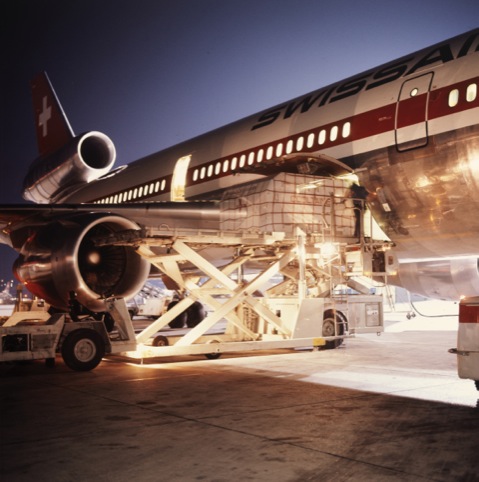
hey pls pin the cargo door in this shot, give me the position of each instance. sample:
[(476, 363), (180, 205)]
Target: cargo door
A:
[(411, 113), (178, 183)]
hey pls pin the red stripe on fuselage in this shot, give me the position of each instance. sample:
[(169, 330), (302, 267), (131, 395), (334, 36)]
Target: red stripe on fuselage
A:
[(363, 125), (371, 123)]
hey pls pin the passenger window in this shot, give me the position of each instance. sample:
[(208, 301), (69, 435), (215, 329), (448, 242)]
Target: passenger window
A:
[(471, 93), (453, 98), (289, 147), (334, 134), (300, 144), (322, 137)]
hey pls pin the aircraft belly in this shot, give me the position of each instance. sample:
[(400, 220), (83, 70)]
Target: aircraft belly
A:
[(427, 199)]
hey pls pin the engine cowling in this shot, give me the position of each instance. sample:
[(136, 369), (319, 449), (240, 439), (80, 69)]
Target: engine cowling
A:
[(62, 257), (86, 158), (446, 279)]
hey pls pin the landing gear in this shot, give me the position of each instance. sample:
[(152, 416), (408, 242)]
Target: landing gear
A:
[(180, 320), (196, 313)]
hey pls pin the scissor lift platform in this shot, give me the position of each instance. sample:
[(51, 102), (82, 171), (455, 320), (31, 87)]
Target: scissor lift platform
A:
[(288, 316)]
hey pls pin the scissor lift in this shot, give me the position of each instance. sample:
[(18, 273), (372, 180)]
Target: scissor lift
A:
[(308, 260), (286, 317)]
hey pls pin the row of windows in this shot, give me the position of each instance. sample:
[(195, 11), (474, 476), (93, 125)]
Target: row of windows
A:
[(298, 144), (258, 156), (454, 95), (135, 193), (293, 145)]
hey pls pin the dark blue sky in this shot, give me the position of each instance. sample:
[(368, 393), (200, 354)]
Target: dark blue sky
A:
[(151, 73)]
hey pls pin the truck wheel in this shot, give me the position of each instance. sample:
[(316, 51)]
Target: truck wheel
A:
[(195, 314), (83, 349), (160, 340), (214, 355), (180, 320), (332, 320), (476, 383)]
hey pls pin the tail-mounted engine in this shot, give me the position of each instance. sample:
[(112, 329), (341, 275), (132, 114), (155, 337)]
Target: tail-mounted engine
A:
[(84, 159), (62, 257)]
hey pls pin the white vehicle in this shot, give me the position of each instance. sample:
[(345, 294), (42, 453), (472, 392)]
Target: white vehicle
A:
[(147, 307), (151, 301)]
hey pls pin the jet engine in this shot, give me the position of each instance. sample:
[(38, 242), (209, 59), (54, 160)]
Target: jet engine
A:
[(63, 257), (84, 159), (447, 279)]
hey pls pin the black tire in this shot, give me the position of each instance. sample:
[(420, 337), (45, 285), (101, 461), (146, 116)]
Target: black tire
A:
[(83, 349), (215, 355), (180, 320), (196, 313), (332, 326), (212, 356), (160, 340), (476, 383)]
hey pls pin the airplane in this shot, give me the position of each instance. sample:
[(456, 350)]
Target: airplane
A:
[(408, 130)]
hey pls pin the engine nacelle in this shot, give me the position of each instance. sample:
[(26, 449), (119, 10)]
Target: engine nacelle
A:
[(86, 158), (448, 279), (62, 257)]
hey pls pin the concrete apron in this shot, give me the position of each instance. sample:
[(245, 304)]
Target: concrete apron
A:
[(378, 408)]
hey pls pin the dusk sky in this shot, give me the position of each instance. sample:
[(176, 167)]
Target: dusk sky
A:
[(152, 73)]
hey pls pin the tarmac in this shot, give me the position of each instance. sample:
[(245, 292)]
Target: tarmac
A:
[(379, 408)]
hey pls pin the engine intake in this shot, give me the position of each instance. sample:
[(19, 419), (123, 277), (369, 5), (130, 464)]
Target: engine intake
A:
[(63, 257), (86, 158)]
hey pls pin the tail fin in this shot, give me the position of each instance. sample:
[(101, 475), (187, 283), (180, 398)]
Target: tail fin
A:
[(52, 127)]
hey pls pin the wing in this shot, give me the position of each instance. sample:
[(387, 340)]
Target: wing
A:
[(17, 221)]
